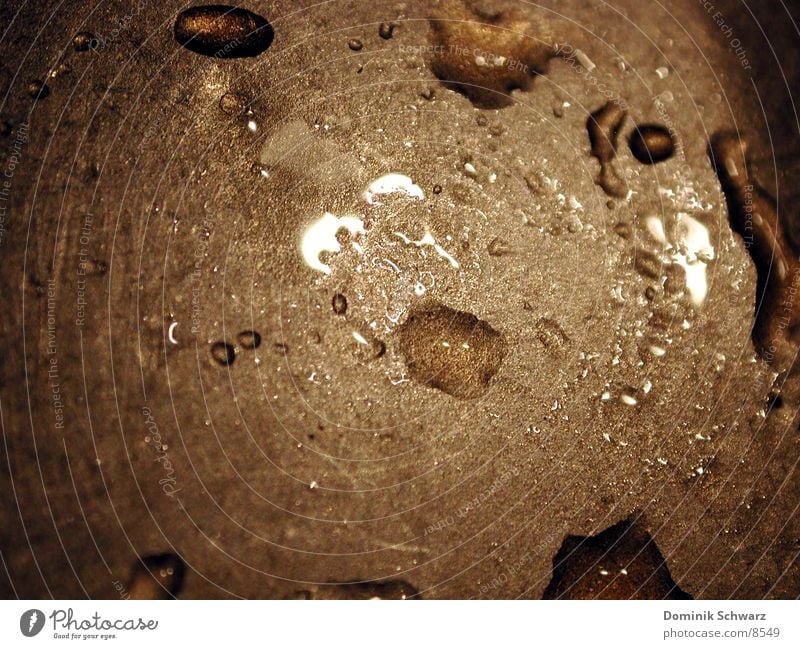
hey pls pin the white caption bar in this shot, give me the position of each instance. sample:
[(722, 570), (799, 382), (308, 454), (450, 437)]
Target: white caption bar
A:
[(389, 624)]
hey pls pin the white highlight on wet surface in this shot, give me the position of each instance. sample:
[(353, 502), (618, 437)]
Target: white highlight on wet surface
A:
[(690, 247), (320, 237), (171, 333), (428, 240), (393, 183)]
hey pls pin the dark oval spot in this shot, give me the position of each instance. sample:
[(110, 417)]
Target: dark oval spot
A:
[(386, 30), (85, 41), (38, 89), (339, 303), (651, 143), (223, 32), (223, 353), (249, 340), (355, 45)]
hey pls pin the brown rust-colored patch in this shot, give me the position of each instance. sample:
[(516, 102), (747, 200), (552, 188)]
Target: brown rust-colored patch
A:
[(451, 350)]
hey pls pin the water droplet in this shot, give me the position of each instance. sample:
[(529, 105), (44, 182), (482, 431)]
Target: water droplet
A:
[(628, 397), (249, 340), (223, 353), (386, 30), (38, 89), (369, 347), (339, 303), (603, 126), (754, 216), (260, 169), (223, 32), (60, 70), (485, 59), (651, 143), (232, 103), (85, 41), (470, 170), (451, 350)]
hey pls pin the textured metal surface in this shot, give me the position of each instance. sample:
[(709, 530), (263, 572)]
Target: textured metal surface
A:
[(154, 185)]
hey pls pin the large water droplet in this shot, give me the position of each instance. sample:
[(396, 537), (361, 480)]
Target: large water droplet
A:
[(485, 58), (451, 350), (651, 143), (223, 32)]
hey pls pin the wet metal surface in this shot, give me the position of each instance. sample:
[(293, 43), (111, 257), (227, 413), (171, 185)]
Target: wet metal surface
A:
[(228, 278)]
